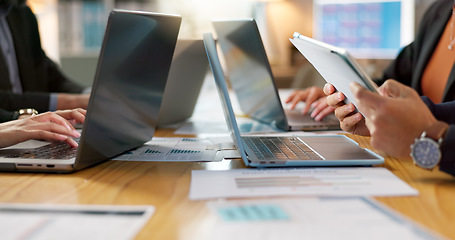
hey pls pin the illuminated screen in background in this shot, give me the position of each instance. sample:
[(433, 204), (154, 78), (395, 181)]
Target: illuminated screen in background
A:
[(367, 29)]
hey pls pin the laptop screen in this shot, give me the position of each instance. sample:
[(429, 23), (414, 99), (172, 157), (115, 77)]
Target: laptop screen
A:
[(221, 86), (129, 84), (249, 71)]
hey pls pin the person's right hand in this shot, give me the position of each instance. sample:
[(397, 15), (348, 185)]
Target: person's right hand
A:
[(313, 97), (73, 116), (71, 101), (350, 120), (47, 126)]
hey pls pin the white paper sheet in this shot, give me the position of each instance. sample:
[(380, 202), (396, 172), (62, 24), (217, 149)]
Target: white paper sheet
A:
[(311, 218), (171, 150), (343, 181), (71, 222)]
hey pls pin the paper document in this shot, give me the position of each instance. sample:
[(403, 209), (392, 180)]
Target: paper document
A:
[(311, 218), (35, 221), (328, 181), (172, 149)]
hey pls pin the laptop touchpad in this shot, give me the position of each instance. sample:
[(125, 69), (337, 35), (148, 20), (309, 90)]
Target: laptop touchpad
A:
[(337, 148)]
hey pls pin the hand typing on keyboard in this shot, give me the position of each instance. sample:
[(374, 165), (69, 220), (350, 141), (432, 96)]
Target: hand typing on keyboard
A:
[(49, 126)]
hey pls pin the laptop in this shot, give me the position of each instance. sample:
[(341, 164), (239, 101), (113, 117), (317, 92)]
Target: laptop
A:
[(251, 78), (122, 113), (188, 70), (286, 151)]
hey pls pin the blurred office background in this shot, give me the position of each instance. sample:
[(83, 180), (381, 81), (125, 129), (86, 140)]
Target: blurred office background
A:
[(372, 30)]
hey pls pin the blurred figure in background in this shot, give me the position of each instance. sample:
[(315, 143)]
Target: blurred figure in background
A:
[(28, 78)]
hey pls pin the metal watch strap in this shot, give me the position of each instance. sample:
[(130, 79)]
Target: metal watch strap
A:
[(27, 111)]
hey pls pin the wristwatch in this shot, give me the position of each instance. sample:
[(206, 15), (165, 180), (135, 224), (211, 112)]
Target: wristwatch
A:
[(27, 111), (425, 151), (23, 112)]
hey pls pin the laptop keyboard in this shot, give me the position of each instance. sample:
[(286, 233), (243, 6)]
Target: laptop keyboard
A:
[(55, 150), (281, 148)]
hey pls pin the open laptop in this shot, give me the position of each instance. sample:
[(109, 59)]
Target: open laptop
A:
[(188, 70), (122, 113), (283, 151), (251, 78)]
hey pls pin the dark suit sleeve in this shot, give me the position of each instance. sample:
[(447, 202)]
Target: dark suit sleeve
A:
[(36, 100), (445, 112), (448, 152), (401, 67), (7, 116), (58, 82)]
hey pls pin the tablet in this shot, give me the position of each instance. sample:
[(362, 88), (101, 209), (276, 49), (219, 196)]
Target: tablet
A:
[(334, 64)]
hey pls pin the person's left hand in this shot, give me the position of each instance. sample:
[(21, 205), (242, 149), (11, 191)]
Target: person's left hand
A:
[(394, 117), (321, 109), (313, 97)]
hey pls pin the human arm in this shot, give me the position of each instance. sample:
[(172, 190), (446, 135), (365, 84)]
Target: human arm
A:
[(445, 112), (48, 126), (313, 97), (40, 101)]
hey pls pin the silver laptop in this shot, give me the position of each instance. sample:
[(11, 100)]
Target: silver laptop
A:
[(188, 70), (252, 80), (276, 151), (123, 109)]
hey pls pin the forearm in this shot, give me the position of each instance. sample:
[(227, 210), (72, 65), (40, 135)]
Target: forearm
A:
[(444, 112), (7, 115), (12, 102)]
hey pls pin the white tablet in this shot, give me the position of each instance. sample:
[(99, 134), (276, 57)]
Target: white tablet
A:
[(334, 64)]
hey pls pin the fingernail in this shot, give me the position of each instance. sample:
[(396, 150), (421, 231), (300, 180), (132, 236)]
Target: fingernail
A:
[(339, 96), (68, 126), (76, 133), (62, 137)]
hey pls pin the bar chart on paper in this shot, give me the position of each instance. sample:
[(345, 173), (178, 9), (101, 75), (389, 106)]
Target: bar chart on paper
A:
[(344, 181), (298, 181), (172, 149)]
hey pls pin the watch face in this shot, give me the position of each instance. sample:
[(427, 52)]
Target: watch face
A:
[(426, 153)]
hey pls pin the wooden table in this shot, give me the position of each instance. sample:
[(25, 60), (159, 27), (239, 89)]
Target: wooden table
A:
[(166, 186)]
